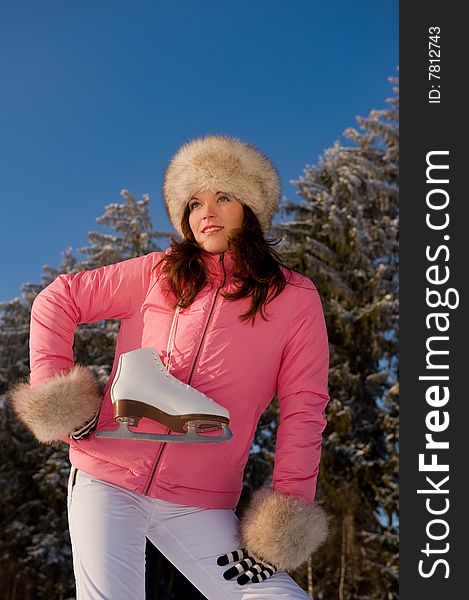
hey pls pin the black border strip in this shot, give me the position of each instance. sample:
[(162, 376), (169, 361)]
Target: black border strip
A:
[(432, 129)]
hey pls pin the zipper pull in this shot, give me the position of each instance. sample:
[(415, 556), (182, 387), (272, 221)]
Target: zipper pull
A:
[(222, 261)]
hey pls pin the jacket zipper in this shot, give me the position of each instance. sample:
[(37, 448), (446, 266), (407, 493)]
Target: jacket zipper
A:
[(163, 445), (208, 320)]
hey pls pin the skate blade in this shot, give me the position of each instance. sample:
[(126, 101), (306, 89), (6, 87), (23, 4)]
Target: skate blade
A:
[(191, 437), (132, 411)]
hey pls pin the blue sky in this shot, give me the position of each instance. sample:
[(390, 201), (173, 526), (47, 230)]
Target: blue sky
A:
[(97, 95)]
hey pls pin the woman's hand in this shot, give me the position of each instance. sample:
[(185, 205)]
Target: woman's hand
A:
[(249, 568)]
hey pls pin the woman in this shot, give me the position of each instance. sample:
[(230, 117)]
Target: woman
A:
[(230, 320)]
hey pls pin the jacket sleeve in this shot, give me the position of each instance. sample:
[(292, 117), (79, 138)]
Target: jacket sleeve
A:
[(302, 389), (62, 399), (284, 526), (109, 292)]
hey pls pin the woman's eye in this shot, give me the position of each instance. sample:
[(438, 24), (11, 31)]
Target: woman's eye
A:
[(223, 197), (191, 206)]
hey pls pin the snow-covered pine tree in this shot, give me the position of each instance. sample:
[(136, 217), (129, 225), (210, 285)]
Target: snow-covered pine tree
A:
[(35, 548), (344, 236), (35, 551), (133, 233)]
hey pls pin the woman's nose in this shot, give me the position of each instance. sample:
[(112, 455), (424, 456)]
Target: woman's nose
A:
[(208, 210)]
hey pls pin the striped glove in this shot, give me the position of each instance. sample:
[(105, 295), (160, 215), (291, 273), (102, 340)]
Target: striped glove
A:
[(86, 430), (249, 568)]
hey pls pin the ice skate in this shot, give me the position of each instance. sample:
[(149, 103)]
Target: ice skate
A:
[(143, 387)]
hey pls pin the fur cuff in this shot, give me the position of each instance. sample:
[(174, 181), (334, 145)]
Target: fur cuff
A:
[(282, 530), (58, 406)]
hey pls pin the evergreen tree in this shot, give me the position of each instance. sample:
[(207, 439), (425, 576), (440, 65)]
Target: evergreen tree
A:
[(133, 235), (35, 553), (35, 550), (343, 235), (14, 335)]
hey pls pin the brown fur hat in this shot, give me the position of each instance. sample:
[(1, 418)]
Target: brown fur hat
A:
[(220, 163), (282, 530), (58, 406)]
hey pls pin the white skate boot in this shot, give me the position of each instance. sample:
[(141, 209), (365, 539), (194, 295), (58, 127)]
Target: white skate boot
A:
[(143, 387)]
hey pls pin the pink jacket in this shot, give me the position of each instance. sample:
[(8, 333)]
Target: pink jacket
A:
[(237, 365)]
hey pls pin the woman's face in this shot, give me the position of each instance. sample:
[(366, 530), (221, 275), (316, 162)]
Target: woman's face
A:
[(208, 210)]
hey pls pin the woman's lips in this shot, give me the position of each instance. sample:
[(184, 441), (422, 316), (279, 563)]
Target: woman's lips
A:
[(213, 232)]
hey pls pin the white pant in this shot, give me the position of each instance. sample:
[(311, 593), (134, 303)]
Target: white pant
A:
[(108, 527)]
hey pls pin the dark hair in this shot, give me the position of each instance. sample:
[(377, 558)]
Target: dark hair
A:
[(256, 266)]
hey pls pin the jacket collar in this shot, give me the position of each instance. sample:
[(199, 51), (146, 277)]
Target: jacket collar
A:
[(218, 263)]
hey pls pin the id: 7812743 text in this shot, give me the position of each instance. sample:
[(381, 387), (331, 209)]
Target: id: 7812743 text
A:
[(434, 67)]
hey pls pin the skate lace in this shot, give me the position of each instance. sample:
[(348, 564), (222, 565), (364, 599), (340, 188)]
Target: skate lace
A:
[(171, 339), (169, 353), (171, 378)]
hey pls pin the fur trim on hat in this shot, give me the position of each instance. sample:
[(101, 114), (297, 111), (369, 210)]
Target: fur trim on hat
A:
[(58, 406), (282, 530), (218, 163)]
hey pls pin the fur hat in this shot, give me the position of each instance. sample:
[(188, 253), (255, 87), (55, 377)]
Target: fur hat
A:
[(221, 163)]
